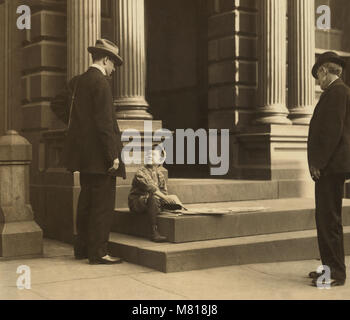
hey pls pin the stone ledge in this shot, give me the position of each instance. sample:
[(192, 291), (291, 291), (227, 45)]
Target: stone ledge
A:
[(282, 215), (288, 246)]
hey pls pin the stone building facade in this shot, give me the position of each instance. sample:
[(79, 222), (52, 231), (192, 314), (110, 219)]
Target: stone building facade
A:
[(243, 65)]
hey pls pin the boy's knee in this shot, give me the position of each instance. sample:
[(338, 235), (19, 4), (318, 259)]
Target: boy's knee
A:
[(154, 200)]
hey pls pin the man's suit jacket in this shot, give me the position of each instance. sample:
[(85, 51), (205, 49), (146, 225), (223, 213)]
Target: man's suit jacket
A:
[(329, 132), (93, 138)]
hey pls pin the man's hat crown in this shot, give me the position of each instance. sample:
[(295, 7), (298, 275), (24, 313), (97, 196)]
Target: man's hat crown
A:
[(106, 46), (325, 57)]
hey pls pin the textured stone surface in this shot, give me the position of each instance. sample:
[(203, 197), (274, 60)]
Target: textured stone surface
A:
[(283, 215), (19, 234), (45, 53), (289, 246), (224, 24), (227, 72), (301, 58), (272, 46), (217, 6), (273, 152), (57, 275), (232, 47), (48, 24), (39, 116), (13, 147), (227, 96), (20, 239), (130, 84)]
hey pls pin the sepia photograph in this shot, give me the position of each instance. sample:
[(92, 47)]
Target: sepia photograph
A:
[(174, 154)]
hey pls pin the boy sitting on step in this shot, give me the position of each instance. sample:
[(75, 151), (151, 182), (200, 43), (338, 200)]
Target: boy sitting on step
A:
[(149, 194)]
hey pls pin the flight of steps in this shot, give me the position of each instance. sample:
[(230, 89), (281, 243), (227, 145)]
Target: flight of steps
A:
[(281, 229)]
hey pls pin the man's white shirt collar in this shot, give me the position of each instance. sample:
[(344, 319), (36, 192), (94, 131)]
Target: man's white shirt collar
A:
[(99, 68), (332, 82)]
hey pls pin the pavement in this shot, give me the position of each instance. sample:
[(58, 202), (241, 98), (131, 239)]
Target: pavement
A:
[(57, 276)]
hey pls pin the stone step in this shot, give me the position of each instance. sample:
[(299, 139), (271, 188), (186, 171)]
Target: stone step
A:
[(279, 215), (289, 246), (221, 190)]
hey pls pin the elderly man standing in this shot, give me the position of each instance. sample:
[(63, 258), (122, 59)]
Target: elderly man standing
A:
[(93, 148), (329, 163)]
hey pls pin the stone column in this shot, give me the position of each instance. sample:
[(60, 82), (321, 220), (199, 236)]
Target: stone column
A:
[(84, 28), (272, 62), (301, 58), (130, 78), (4, 66)]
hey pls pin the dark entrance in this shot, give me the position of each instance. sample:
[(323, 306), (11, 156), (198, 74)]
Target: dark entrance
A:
[(176, 37)]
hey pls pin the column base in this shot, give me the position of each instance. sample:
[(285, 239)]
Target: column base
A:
[(17, 239), (299, 116), (133, 114), (132, 109), (271, 152), (272, 115)]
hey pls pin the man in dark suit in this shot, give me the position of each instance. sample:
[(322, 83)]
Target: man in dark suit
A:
[(329, 163), (93, 147)]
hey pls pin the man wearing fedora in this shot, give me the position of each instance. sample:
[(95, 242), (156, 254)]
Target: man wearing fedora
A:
[(93, 147), (329, 163)]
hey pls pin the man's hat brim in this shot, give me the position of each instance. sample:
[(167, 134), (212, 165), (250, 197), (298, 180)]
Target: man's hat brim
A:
[(117, 59), (325, 59)]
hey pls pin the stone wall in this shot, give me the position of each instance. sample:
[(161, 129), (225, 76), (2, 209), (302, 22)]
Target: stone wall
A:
[(232, 62)]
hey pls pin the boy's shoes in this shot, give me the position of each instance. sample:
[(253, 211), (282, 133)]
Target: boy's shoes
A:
[(156, 237)]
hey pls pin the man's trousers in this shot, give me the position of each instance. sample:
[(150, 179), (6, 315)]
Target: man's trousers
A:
[(329, 192), (95, 214)]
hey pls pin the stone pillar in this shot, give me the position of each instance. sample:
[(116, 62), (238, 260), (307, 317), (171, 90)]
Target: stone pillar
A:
[(4, 65), (84, 28), (130, 78), (19, 234), (272, 62), (301, 57)]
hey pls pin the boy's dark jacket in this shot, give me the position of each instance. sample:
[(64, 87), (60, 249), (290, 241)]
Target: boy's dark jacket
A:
[(93, 139), (329, 132)]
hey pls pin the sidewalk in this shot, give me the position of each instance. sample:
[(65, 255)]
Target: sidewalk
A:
[(58, 276)]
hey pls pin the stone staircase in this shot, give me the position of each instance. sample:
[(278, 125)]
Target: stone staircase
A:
[(281, 229)]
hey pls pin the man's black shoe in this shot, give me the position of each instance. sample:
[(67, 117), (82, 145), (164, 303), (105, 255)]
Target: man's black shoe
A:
[(105, 260), (315, 275), (332, 283)]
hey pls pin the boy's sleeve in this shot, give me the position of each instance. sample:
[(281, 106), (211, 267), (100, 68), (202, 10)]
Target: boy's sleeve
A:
[(162, 184), (144, 183)]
